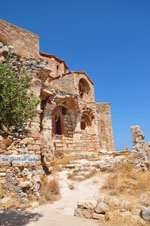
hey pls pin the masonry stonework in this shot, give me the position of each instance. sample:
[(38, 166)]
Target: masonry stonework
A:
[(57, 65), (68, 119), (25, 43)]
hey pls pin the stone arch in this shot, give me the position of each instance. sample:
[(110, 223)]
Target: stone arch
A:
[(85, 121), (57, 121), (61, 121), (84, 87)]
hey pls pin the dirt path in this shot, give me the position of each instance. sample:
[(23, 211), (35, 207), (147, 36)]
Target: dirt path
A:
[(61, 212)]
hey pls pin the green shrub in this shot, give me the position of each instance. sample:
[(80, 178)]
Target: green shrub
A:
[(17, 102)]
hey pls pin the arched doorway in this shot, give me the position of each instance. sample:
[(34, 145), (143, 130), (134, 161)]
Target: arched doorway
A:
[(61, 122), (57, 121)]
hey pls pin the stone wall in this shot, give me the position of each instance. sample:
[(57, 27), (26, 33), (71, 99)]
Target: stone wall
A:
[(70, 83), (25, 43), (28, 144), (73, 138), (84, 125), (68, 127), (19, 178), (105, 126), (58, 66), (65, 83)]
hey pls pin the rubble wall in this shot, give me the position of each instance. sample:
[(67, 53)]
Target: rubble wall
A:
[(18, 177)]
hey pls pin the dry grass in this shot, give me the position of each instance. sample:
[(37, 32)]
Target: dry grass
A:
[(58, 163), (124, 219), (129, 184), (124, 166), (49, 190), (65, 160), (59, 154), (128, 180)]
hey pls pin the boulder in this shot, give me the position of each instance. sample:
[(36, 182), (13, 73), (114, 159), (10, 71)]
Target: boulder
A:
[(97, 216), (86, 213), (25, 184), (3, 50), (145, 213), (102, 208), (113, 202), (87, 204)]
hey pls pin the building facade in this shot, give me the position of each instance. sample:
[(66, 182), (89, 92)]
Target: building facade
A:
[(69, 119)]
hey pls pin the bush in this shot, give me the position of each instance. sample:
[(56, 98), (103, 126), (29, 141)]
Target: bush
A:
[(111, 182), (17, 102), (49, 190)]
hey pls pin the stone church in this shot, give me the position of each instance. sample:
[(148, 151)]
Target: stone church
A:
[(69, 119)]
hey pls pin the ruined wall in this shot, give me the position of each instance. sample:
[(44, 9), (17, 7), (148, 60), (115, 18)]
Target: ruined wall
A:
[(138, 142), (88, 97), (25, 43), (28, 145), (70, 83), (73, 137), (86, 125), (104, 126), (58, 66), (65, 83)]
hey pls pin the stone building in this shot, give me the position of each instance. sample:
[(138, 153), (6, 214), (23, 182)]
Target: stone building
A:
[(69, 119)]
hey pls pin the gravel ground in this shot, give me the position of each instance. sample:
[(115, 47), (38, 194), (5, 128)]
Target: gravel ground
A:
[(61, 212)]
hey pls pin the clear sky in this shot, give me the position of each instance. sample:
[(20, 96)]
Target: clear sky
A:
[(109, 39)]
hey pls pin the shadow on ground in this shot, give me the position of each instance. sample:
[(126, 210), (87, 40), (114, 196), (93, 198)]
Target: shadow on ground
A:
[(17, 217)]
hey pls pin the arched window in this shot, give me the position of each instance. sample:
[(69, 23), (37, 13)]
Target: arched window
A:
[(85, 121), (57, 70), (84, 87), (102, 128), (57, 121)]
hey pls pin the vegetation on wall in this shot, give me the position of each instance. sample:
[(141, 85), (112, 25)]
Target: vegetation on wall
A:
[(17, 102)]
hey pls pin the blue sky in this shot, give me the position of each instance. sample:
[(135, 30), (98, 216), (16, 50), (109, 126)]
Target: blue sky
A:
[(109, 39)]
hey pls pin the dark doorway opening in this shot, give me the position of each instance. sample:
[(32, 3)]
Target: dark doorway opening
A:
[(58, 126)]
